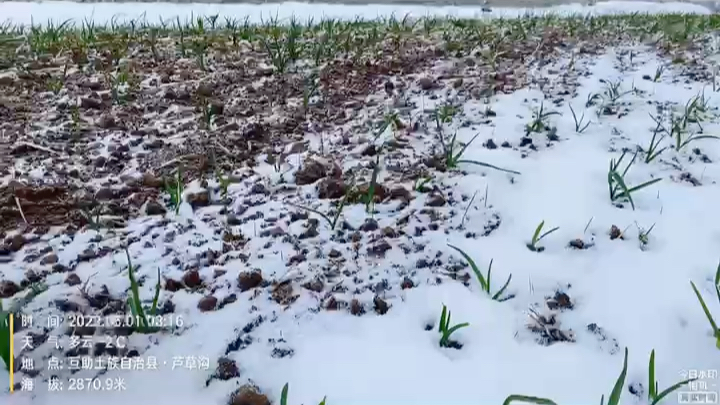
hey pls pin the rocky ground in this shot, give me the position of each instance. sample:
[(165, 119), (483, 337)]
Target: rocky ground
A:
[(259, 177)]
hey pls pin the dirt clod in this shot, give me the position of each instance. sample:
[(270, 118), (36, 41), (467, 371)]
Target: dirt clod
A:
[(248, 395), (207, 303), (73, 279), (249, 280), (226, 369)]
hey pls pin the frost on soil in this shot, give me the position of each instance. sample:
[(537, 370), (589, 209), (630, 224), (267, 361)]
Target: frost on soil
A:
[(297, 190)]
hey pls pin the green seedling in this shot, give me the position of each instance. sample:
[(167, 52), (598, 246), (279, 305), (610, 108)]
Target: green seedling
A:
[(5, 336), (713, 325), (390, 120), (140, 313), (421, 184), (654, 396), (332, 221), (445, 114), (484, 280), (453, 159), (445, 329), (537, 237), (93, 217), (175, 189), (658, 73), (528, 399), (644, 235), (208, 115), (580, 124), (284, 396), (613, 92), (652, 151), (591, 98), (309, 90), (224, 183), (55, 85), (617, 186), (370, 194), (462, 220), (539, 121), (614, 398)]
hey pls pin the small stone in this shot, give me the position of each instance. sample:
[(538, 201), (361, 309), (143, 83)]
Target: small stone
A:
[(16, 243), (173, 285), (356, 308), (226, 369), (273, 232), (149, 180), (154, 208), (331, 188), (248, 395), (577, 244), (407, 283), (389, 232), (381, 307), (615, 233), (249, 279), (379, 248), (192, 279), (334, 253), (73, 279), (311, 172), (90, 103), (315, 285), (426, 83), (369, 225), (8, 289), (199, 199), (104, 194), (52, 258), (207, 303), (435, 200)]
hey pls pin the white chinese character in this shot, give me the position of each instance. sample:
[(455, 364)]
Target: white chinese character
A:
[(151, 363), (55, 341), (702, 374), (54, 384), (712, 374), (53, 363), (119, 384), (113, 363), (26, 321), (178, 362), (125, 363), (53, 321), (74, 363), (204, 362), (87, 363), (99, 363), (87, 342), (693, 374), (191, 363), (27, 384), (27, 342), (74, 341), (27, 364), (139, 363)]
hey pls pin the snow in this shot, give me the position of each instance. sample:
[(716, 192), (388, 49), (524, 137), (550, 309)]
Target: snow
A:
[(641, 298)]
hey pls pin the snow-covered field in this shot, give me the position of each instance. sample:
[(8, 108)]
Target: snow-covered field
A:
[(335, 179)]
